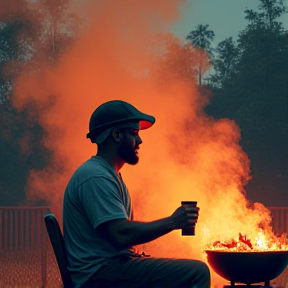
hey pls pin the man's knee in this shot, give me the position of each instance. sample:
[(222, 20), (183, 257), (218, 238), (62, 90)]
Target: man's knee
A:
[(204, 268), (199, 275), (204, 279)]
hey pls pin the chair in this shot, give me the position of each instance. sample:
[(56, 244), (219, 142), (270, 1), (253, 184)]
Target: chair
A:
[(59, 248), (58, 245)]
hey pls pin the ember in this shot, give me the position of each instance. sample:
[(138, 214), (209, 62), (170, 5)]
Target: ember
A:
[(261, 243)]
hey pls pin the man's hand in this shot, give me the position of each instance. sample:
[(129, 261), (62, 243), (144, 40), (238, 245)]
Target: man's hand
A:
[(185, 216)]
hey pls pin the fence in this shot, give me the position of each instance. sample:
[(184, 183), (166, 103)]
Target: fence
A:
[(22, 228), (279, 219), (25, 251), (26, 256)]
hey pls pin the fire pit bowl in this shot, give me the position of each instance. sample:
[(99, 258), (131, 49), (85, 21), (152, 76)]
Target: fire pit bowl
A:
[(248, 267)]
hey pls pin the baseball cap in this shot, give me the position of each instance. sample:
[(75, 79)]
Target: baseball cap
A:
[(115, 113)]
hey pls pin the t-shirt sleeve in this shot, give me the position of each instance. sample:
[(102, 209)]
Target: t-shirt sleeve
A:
[(100, 199)]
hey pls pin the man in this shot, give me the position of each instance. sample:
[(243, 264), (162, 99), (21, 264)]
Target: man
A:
[(99, 230)]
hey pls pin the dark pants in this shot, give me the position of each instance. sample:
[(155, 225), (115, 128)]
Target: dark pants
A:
[(152, 272)]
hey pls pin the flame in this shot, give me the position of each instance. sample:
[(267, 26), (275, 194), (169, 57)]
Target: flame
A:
[(261, 243)]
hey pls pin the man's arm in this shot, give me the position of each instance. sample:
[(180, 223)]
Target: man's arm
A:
[(122, 233)]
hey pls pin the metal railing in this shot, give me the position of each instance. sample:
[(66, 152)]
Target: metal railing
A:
[(26, 257), (279, 219), (22, 228)]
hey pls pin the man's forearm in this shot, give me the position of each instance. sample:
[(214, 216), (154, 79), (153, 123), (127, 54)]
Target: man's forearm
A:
[(134, 233), (124, 233)]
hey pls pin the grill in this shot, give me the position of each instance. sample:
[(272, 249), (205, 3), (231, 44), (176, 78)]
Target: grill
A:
[(248, 267)]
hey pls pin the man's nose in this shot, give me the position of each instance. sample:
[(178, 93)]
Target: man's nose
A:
[(139, 140)]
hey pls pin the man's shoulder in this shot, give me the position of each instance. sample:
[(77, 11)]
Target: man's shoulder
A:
[(94, 163), (94, 167)]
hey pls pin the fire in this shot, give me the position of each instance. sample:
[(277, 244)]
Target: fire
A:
[(261, 243)]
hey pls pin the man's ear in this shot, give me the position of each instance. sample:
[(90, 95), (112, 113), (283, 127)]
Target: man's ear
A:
[(116, 135)]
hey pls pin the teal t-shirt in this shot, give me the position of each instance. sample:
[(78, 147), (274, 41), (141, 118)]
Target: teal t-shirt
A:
[(95, 194)]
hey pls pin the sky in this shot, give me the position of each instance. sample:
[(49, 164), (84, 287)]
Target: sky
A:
[(225, 17)]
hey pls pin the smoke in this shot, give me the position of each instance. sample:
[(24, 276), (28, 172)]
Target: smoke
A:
[(186, 155)]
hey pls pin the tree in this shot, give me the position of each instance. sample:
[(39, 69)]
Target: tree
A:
[(224, 65), (201, 39), (20, 138), (272, 9), (59, 27), (255, 96), (26, 38)]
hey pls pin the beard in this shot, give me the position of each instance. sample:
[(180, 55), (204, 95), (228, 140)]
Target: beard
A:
[(127, 154)]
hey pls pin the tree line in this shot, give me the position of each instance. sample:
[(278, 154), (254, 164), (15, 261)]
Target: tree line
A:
[(31, 33), (249, 84), (247, 78)]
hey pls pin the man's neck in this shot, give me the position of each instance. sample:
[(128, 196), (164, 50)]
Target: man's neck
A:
[(112, 160)]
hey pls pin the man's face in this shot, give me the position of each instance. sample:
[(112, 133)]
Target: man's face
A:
[(129, 145)]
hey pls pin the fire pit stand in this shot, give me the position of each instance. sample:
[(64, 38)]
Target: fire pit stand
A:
[(266, 285)]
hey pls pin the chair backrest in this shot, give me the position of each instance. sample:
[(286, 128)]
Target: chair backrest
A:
[(58, 245)]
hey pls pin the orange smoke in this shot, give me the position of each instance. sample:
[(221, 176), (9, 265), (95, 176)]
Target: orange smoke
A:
[(186, 155)]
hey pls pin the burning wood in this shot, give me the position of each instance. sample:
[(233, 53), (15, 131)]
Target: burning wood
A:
[(261, 243)]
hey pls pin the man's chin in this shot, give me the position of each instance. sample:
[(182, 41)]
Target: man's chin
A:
[(133, 161)]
